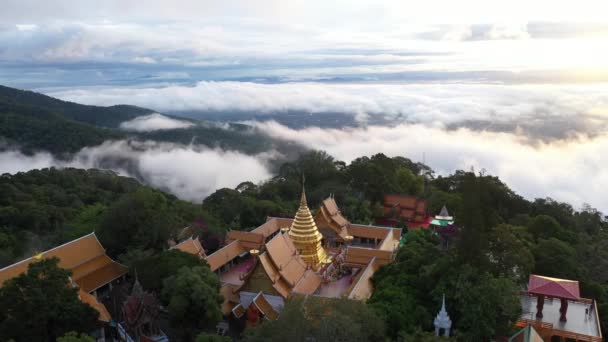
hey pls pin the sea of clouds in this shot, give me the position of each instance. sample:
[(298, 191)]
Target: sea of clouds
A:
[(542, 140), (190, 172), (539, 112)]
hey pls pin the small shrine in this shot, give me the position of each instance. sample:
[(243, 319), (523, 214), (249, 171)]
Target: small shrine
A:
[(442, 322)]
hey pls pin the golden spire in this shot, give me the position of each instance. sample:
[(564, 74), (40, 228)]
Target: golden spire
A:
[(306, 237)]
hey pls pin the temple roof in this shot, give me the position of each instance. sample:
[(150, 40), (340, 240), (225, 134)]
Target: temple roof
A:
[(330, 213), (406, 207), (191, 246), (86, 258), (223, 255), (554, 287), (104, 315)]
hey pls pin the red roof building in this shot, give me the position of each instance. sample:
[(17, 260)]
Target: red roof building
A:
[(554, 287)]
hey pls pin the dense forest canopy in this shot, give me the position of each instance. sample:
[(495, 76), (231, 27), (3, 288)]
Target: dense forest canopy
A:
[(502, 238)]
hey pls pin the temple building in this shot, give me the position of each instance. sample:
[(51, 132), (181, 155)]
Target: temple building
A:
[(554, 308), (192, 246), (93, 272), (405, 209), (323, 255)]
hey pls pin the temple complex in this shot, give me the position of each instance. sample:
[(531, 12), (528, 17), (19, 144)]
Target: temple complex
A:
[(323, 255), (554, 308), (93, 272)]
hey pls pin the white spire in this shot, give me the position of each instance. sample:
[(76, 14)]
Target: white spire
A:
[(442, 320)]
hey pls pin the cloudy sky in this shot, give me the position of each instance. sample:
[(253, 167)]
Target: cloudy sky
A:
[(519, 88)]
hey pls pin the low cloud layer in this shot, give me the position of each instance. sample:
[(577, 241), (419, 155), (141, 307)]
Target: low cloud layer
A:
[(191, 173), (154, 122), (543, 112), (572, 171)]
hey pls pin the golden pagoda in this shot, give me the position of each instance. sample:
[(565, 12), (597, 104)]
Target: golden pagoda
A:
[(306, 237)]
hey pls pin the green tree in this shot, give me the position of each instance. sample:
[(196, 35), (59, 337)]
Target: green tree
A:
[(73, 336), (482, 306), (472, 240), (509, 254), (555, 258), (137, 220), (545, 227), (41, 305), (321, 319), (154, 269), (194, 300)]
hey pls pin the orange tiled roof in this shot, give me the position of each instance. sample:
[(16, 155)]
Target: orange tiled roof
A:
[(264, 306), (363, 287), (407, 207), (373, 232), (101, 276), (191, 246), (239, 310), (85, 257), (330, 213), (272, 225), (104, 315), (249, 240), (308, 284), (269, 267), (70, 254), (362, 255), (284, 256), (225, 254)]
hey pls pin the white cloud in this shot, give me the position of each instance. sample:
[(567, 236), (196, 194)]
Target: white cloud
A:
[(145, 60), (540, 110), (154, 122), (572, 171), (191, 173)]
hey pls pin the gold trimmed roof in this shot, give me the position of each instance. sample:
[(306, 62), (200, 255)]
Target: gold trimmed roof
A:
[(306, 236)]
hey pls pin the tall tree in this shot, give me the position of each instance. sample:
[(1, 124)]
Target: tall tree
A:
[(472, 238), (41, 305), (194, 300)]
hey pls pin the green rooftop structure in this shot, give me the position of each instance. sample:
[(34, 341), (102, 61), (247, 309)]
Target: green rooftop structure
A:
[(527, 334), (443, 219)]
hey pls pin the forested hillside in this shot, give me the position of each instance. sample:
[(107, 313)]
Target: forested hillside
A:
[(32, 122), (502, 237), (109, 117)]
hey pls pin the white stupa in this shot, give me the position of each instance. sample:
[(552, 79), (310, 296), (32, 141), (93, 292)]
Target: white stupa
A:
[(442, 321)]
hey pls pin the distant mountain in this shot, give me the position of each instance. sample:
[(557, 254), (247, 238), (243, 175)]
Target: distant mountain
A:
[(109, 117), (35, 122)]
